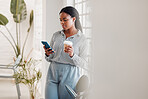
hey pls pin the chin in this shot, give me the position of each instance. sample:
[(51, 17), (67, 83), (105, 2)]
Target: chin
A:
[(65, 29)]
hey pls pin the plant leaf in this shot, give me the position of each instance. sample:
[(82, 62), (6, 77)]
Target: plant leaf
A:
[(30, 20), (3, 20), (18, 9), (31, 17)]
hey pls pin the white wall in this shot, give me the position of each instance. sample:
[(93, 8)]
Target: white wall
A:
[(4, 44), (6, 51), (51, 24), (68, 2), (120, 49), (52, 17)]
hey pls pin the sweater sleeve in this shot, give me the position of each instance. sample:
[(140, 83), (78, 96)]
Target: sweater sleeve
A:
[(81, 60)]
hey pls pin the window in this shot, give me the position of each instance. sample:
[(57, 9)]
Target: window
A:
[(84, 11)]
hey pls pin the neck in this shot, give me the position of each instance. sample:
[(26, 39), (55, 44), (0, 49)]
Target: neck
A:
[(71, 31)]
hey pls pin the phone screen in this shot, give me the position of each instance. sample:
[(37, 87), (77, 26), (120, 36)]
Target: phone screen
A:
[(46, 45)]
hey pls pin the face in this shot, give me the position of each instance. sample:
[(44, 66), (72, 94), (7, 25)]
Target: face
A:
[(66, 21)]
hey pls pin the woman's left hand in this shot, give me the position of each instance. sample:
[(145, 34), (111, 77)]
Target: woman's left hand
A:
[(69, 49)]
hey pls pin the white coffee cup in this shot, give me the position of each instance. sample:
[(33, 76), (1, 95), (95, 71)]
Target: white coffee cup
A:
[(67, 43)]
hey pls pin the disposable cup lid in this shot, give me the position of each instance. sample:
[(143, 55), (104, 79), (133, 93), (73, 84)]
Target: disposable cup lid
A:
[(68, 43)]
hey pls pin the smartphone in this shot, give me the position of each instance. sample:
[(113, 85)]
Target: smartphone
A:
[(46, 45)]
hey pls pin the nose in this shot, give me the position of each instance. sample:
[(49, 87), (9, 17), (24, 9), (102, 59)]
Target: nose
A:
[(62, 22)]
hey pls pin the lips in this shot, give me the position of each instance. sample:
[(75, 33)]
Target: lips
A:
[(63, 26)]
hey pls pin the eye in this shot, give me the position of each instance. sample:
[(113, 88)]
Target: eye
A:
[(65, 20)]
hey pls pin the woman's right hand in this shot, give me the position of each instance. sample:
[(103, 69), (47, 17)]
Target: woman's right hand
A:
[(48, 51)]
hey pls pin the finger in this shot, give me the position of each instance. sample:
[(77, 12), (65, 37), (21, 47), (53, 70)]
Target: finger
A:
[(44, 47), (70, 49), (65, 51), (69, 46), (49, 52), (66, 47), (48, 49)]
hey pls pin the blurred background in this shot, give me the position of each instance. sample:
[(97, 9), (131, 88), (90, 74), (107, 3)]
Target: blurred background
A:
[(120, 49), (117, 32), (45, 23)]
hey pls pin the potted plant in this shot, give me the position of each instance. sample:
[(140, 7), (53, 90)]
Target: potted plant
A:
[(27, 72), (29, 75)]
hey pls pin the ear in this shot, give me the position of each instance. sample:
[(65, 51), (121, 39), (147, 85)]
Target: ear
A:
[(74, 19)]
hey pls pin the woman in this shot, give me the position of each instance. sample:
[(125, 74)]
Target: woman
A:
[(66, 64)]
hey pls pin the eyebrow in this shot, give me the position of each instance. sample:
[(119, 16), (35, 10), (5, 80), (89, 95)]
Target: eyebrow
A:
[(63, 18)]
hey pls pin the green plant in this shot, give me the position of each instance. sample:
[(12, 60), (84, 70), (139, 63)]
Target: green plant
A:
[(19, 11), (29, 75), (27, 72)]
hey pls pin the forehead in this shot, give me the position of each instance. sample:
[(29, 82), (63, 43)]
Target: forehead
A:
[(64, 15)]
